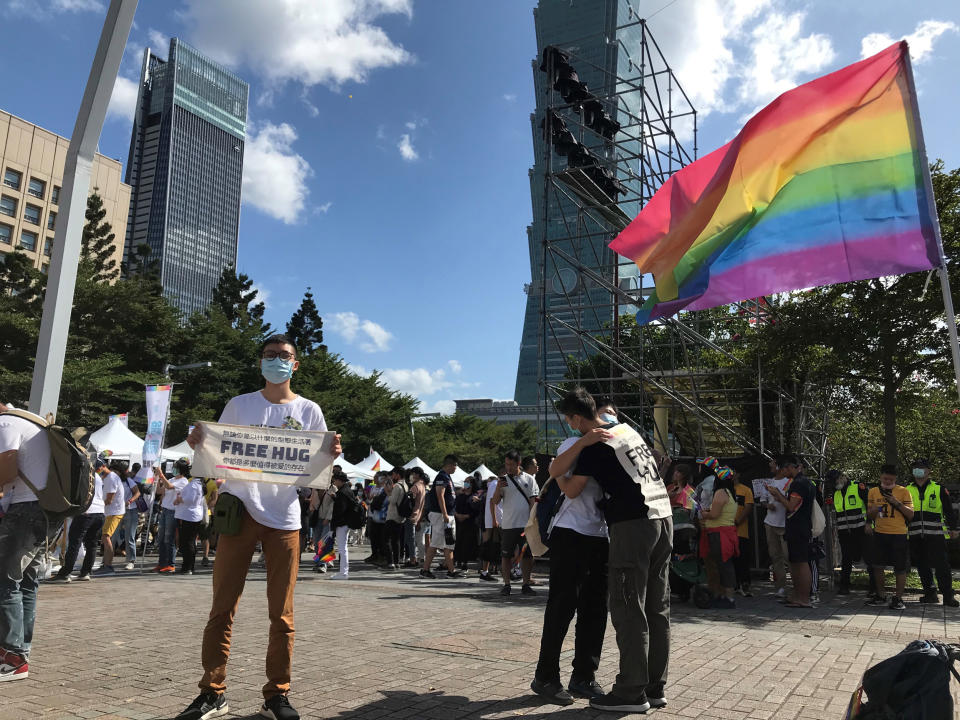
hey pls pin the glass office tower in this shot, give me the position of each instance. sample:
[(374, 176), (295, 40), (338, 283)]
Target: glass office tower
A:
[(185, 167), (588, 28)]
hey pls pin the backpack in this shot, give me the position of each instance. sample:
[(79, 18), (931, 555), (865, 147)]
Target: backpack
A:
[(547, 507), (357, 516), (405, 506), (378, 501), (70, 480), (912, 684)]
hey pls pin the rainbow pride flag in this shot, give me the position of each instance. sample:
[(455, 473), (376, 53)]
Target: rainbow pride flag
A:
[(827, 184)]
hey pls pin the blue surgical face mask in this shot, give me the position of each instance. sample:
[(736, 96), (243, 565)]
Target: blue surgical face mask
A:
[(609, 419), (919, 472), (276, 371), (573, 431)]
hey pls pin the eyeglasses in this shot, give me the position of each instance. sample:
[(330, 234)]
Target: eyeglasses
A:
[(273, 354)]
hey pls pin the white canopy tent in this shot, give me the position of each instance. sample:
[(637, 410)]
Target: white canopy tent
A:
[(485, 473), (427, 470), (176, 452), (370, 463), (352, 471), (459, 475), (119, 440)]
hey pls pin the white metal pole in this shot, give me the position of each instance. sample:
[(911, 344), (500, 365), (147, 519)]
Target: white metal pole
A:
[(62, 278), (935, 219)]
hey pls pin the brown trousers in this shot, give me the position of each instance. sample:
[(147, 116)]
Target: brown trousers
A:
[(281, 552)]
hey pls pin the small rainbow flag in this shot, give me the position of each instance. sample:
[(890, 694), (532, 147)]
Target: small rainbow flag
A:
[(376, 466), (827, 184)]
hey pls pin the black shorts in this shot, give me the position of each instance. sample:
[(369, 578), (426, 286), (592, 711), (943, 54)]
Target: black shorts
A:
[(798, 548), (510, 541), (891, 551)]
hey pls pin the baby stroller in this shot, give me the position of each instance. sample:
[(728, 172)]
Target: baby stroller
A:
[(687, 576), (912, 685)]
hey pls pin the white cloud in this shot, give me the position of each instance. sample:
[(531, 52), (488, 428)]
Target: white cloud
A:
[(38, 8), (407, 151), (921, 40), (123, 100), (510, 97), (263, 295), (381, 132), (323, 209), (416, 381), (455, 366), (330, 42), (159, 42), (411, 125), (367, 335), (444, 407), (274, 176)]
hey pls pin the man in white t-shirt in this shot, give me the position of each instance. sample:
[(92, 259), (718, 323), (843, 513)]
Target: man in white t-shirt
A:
[(272, 518), (492, 517), (578, 578), (84, 531), (774, 525), (24, 452), (114, 502), (167, 531), (516, 491)]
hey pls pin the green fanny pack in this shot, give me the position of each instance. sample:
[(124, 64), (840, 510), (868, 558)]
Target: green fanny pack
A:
[(228, 514)]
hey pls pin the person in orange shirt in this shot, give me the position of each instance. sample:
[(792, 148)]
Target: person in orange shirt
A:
[(890, 509), (744, 497)]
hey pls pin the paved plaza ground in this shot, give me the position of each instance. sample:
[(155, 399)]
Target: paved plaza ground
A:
[(388, 645)]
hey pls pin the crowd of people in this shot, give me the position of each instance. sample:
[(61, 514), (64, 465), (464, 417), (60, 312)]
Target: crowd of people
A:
[(625, 528)]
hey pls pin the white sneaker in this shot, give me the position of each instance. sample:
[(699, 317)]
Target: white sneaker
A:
[(781, 593), (339, 576), (130, 566)]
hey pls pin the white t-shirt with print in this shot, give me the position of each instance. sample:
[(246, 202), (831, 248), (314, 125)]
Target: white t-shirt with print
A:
[(581, 514), (191, 502), (33, 456), (169, 495), (488, 519), (275, 506), (776, 513), (516, 506), (113, 484)]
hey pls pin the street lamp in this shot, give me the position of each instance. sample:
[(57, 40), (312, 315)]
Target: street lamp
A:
[(189, 366), (414, 434)]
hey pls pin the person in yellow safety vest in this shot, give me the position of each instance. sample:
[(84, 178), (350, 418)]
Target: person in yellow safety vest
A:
[(850, 505), (934, 520)]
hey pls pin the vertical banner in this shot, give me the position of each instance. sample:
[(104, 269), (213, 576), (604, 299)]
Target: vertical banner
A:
[(123, 418), (158, 407)]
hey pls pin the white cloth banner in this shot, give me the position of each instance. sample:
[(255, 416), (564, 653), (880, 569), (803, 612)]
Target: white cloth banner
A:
[(257, 454), (158, 406)]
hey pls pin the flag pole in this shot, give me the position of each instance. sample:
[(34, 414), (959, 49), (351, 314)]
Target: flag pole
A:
[(932, 208)]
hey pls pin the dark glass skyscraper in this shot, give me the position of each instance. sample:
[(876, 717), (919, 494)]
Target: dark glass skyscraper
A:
[(589, 28), (185, 167)]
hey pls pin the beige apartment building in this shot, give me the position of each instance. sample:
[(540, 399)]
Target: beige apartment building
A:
[(31, 177)]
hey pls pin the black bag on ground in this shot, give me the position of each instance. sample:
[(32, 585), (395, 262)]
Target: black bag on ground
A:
[(912, 685), (228, 514)]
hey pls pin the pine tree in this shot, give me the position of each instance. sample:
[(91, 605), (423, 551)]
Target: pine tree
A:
[(305, 328), (234, 296), (98, 243)]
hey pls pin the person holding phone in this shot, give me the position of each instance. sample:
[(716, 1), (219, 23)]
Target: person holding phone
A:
[(890, 509)]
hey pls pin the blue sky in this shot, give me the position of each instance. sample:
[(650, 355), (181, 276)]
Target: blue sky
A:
[(389, 142)]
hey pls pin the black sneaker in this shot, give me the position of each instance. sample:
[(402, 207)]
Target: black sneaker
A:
[(896, 603), (552, 692), (527, 590), (584, 689), (950, 601), (505, 590), (279, 708), (487, 577), (877, 601), (930, 598), (614, 703), (454, 573), (428, 574), (206, 705)]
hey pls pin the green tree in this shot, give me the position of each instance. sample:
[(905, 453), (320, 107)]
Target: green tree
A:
[(473, 440), (98, 243), (305, 328)]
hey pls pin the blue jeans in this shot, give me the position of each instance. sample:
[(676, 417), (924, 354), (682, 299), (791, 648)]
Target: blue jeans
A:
[(168, 535), (23, 533), (131, 520)]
